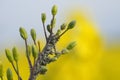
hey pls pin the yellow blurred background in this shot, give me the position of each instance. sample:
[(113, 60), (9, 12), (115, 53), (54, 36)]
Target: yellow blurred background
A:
[(89, 60), (93, 58)]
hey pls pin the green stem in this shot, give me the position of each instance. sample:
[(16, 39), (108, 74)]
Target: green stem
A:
[(34, 42), (45, 31), (16, 71), (63, 33), (34, 61), (28, 58), (36, 46)]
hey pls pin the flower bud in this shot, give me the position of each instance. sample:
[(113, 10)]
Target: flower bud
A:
[(9, 74), (71, 24), (15, 54), (23, 33), (54, 59), (64, 51), (54, 10), (34, 51), (58, 32), (8, 55), (58, 54), (63, 26), (53, 22), (29, 50), (43, 69), (43, 17), (38, 45), (1, 69), (71, 45), (33, 34), (49, 28)]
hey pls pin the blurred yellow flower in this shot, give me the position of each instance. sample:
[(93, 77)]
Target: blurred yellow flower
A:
[(86, 61), (82, 62)]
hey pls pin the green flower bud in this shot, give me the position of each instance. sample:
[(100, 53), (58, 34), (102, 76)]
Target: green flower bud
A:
[(63, 26), (49, 28), (8, 55), (71, 24), (34, 51), (43, 69), (39, 47), (1, 69), (58, 32), (23, 33), (54, 10), (29, 50), (54, 59), (43, 17), (71, 45), (33, 34), (64, 51), (57, 54), (9, 74), (53, 22), (15, 54)]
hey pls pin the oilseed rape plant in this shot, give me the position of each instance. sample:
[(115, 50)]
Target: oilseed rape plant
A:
[(42, 57)]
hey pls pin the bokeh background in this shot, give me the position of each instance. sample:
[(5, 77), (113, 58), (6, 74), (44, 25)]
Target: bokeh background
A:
[(97, 33)]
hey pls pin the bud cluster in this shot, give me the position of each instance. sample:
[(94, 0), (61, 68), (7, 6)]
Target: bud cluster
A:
[(41, 57)]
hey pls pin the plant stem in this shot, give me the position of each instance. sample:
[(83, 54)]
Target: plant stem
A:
[(34, 42), (52, 26), (34, 61), (16, 71), (37, 64), (28, 58), (32, 75), (35, 69), (63, 33), (45, 31)]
